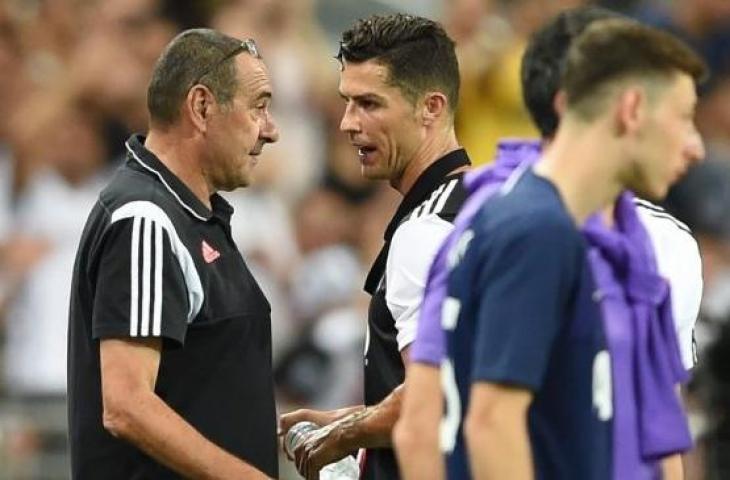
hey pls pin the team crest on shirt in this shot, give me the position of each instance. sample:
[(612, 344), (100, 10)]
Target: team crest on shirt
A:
[(210, 254)]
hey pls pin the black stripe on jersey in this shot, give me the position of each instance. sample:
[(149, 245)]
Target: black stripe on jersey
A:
[(648, 205), (659, 212), (670, 218)]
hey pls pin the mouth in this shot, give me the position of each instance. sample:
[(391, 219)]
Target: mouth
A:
[(254, 154), (365, 153)]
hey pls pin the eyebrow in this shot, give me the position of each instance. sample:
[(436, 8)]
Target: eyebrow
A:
[(364, 96), (263, 95)]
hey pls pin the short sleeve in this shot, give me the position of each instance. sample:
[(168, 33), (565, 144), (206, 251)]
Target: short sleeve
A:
[(413, 248), (529, 268), (686, 286), (429, 346), (679, 262), (140, 287)]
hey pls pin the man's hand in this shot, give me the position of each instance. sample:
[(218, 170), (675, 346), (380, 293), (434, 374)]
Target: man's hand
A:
[(321, 448), (318, 417)]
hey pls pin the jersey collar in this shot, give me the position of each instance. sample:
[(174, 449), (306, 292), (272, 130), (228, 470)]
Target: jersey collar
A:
[(137, 153), (424, 186)]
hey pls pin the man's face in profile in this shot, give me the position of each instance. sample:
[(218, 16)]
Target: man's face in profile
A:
[(379, 120)]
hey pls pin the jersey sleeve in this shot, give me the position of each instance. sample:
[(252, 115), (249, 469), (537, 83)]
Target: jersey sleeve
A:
[(412, 250), (529, 269), (140, 287), (679, 262), (429, 346), (686, 286)]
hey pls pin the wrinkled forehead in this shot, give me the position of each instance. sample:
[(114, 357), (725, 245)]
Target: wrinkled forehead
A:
[(253, 76)]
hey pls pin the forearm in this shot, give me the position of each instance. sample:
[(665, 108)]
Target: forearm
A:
[(159, 431), (371, 427), (416, 434), (343, 412), (496, 434), (672, 468), (498, 450)]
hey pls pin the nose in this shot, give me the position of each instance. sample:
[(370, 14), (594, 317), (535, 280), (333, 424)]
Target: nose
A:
[(349, 122), (695, 148), (269, 132)]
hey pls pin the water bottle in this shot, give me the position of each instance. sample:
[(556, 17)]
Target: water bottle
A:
[(345, 469)]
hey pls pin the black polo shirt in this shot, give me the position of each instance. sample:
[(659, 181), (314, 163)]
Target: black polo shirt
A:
[(154, 261), (412, 237)]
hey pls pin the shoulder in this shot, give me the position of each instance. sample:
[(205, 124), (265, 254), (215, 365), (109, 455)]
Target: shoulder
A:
[(655, 218), (678, 260), (416, 241), (509, 218), (132, 193), (536, 244), (445, 200), (669, 236), (416, 229)]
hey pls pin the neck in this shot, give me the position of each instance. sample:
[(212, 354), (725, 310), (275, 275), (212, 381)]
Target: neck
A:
[(427, 154), (582, 162), (179, 153)]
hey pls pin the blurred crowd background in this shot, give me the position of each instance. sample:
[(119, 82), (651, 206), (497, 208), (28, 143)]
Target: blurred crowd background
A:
[(73, 76)]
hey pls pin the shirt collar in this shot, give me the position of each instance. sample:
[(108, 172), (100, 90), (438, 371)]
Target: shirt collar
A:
[(425, 184), (137, 152)]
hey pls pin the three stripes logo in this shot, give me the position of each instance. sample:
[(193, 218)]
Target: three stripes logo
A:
[(146, 276), (436, 202)]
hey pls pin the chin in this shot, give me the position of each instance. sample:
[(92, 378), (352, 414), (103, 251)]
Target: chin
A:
[(372, 173), (233, 185), (653, 194)]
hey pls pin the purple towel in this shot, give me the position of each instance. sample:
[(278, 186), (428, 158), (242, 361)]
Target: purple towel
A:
[(657, 365)]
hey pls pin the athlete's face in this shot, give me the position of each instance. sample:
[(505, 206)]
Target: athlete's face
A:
[(668, 142), (240, 130), (382, 124)]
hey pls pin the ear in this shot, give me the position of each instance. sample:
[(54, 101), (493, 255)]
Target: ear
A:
[(199, 104), (560, 102), (435, 105), (630, 109)]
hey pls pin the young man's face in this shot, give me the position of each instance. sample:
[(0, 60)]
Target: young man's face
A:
[(382, 124), (669, 142), (240, 130)]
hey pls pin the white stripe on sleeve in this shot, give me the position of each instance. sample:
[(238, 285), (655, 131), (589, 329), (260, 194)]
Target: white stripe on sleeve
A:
[(149, 212), (134, 278), (146, 269), (157, 314)]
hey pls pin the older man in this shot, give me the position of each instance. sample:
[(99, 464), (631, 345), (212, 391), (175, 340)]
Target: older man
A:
[(169, 334)]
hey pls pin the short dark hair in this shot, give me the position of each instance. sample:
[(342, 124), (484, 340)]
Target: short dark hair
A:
[(544, 60), (182, 62), (610, 51), (417, 52)]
